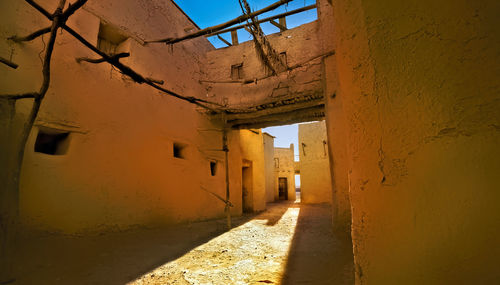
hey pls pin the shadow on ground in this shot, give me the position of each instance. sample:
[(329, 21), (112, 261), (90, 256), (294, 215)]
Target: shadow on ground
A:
[(112, 258), (317, 255)]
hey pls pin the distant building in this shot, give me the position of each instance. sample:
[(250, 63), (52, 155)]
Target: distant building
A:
[(284, 164), (315, 181)]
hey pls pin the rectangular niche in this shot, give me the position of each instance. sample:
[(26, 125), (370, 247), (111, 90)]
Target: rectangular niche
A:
[(213, 168), (52, 142), (109, 38), (180, 150), (237, 71)]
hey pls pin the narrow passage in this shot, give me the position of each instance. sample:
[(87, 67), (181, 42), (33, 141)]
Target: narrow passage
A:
[(289, 243)]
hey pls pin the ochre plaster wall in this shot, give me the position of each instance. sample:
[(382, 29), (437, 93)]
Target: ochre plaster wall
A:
[(252, 150), (286, 168), (315, 180), (418, 86), (301, 47), (119, 170), (271, 191)]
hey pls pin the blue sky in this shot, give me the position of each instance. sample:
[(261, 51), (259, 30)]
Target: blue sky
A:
[(211, 13)]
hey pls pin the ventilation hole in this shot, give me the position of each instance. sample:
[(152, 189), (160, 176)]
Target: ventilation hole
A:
[(52, 142), (179, 150), (213, 168)]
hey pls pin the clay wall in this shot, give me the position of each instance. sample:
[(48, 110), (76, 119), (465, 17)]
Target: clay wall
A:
[(414, 87), (303, 51), (315, 180), (271, 190), (119, 168), (252, 153)]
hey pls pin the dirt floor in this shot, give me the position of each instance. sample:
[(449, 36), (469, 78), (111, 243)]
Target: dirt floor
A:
[(290, 243)]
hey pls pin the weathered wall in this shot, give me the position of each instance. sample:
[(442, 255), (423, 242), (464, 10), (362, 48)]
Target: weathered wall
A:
[(418, 86), (286, 168), (271, 191), (119, 170), (315, 180), (300, 44), (336, 126), (252, 150)]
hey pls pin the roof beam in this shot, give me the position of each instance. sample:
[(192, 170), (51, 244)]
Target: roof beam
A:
[(306, 8), (213, 29)]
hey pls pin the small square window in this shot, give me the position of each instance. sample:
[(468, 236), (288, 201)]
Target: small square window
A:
[(213, 168), (179, 150), (52, 142), (109, 38), (237, 71)]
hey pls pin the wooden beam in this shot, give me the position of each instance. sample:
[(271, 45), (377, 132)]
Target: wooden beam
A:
[(224, 40), (234, 37), (282, 22), (276, 110), (280, 118), (306, 8), (300, 117), (213, 29), (277, 25)]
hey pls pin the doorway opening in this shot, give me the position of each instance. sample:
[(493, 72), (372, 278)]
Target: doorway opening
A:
[(283, 188)]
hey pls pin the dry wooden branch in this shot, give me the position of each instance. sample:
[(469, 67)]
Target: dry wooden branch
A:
[(157, 81), (213, 29), (31, 36), (20, 96), (72, 8), (244, 26), (10, 194), (8, 63), (114, 61), (100, 60)]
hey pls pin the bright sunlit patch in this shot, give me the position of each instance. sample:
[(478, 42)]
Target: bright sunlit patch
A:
[(252, 252)]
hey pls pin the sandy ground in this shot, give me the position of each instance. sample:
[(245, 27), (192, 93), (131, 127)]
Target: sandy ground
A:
[(289, 243)]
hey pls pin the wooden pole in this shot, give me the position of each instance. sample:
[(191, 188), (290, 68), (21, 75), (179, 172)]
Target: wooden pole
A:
[(264, 20), (234, 38), (225, 148), (213, 29)]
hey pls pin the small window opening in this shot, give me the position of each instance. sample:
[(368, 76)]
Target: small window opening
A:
[(283, 60), (213, 168), (179, 150), (237, 71), (52, 142), (109, 38)]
